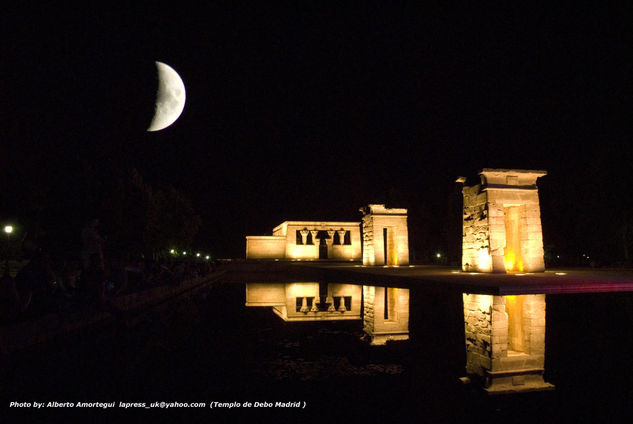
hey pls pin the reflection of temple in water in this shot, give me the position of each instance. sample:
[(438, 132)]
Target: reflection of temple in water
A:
[(386, 313), (505, 341), (307, 301), (384, 310)]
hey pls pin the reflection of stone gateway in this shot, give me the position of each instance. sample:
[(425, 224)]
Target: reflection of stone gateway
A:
[(385, 314), (505, 341)]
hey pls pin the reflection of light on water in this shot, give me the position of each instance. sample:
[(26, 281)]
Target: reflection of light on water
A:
[(454, 272)]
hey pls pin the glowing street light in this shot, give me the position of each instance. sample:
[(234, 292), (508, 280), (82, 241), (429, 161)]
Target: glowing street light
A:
[(184, 253), (172, 251), (8, 229), (438, 255), (198, 255), (207, 257)]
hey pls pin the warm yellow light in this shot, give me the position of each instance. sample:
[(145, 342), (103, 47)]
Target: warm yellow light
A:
[(512, 258), (561, 273), (438, 255), (511, 263), (184, 253), (8, 229), (197, 255), (484, 260), (172, 251)]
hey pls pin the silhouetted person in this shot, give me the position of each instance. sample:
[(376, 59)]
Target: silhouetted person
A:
[(94, 279), (36, 280), (11, 305)]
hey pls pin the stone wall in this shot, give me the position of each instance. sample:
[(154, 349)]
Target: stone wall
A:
[(377, 218), (369, 258), (475, 241), (283, 243), (265, 247), (502, 223)]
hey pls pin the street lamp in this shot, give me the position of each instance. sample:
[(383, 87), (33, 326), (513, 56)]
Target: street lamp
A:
[(8, 229)]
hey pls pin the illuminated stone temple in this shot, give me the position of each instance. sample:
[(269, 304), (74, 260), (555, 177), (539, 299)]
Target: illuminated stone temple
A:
[(385, 235), (505, 341), (308, 240), (502, 222)]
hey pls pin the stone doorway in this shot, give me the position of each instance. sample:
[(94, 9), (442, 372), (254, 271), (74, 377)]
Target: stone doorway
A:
[(322, 248)]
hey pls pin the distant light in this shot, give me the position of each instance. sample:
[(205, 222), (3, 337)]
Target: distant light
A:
[(519, 275), (411, 266), (558, 256), (184, 253), (561, 273), (197, 255), (172, 251), (8, 229), (438, 255), (207, 257), (455, 272)]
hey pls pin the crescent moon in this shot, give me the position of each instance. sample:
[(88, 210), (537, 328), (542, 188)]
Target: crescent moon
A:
[(170, 98)]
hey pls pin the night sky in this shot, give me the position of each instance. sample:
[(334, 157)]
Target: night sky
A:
[(312, 111)]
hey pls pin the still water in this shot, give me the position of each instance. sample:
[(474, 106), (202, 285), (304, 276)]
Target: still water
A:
[(314, 343)]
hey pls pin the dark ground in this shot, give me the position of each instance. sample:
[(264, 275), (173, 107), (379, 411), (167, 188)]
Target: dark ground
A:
[(215, 349)]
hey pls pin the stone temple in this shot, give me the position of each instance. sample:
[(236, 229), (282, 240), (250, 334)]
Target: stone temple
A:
[(308, 240), (385, 235), (385, 239), (505, 335), (502, 222)]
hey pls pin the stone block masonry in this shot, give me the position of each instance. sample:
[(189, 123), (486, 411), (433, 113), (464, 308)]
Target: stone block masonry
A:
[(502, 222), (385, 236)]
